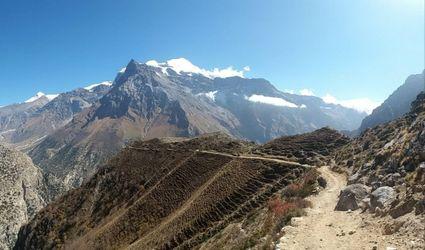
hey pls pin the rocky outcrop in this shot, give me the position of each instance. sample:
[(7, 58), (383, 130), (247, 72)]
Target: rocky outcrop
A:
[(21, 193)]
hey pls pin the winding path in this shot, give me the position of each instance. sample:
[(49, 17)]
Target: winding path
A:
[(324, 228)]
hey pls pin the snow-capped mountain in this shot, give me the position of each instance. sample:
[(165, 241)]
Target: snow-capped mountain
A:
[(177, 98)]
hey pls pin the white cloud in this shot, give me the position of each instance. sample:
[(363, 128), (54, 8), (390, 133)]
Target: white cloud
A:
[(210, 94), (307, 92), (272, 101), (290, 91), (359, 104), (180, 65)]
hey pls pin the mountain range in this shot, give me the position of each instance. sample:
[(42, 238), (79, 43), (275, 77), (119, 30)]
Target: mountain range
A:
[(150, 100)]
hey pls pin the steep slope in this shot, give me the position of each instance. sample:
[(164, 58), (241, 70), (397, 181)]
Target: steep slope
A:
[(161, 194), (391, 155), (21, 193), (148, 101), (394, 147), (46, 116), (397, 104)]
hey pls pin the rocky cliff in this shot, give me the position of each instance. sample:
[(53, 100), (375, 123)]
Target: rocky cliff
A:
[(21, 193)]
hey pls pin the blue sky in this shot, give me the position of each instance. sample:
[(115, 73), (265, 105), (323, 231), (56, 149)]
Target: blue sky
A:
[(346, 48)]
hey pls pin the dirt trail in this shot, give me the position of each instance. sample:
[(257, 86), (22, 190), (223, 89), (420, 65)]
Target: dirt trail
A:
[(241, 156), (324, 228), (255, 157)]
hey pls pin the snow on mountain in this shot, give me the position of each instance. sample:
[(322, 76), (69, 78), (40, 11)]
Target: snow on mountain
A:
[(182, 65), (41, 94), (91, 87)]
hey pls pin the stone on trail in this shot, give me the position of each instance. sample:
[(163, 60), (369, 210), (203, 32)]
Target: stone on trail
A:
[(351, 196)]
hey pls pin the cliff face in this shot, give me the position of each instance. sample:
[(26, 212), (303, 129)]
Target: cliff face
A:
[(21, 193)]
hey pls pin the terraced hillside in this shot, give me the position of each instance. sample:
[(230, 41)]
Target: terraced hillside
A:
[(161, 194), (314, 148)]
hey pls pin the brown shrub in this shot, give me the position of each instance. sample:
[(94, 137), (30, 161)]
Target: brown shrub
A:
[(304, 187), (281, 208)]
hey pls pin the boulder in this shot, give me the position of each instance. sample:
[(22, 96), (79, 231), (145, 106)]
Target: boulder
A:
[(382, 197), (351, 197), (322, 182)]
